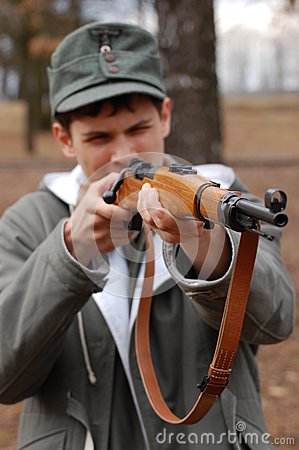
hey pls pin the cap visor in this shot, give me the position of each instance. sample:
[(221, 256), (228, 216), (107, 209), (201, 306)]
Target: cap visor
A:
[(106, 91)]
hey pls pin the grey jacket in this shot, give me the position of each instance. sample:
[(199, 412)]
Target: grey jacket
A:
[(67, 366)]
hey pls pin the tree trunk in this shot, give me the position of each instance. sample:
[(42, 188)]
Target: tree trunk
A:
[(25, 90), (187, 45)]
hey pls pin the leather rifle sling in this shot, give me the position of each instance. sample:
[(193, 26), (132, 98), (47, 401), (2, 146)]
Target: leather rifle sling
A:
[(228, 338)]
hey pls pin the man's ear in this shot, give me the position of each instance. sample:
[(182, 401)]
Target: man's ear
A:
[(63, 139), (166, 116)]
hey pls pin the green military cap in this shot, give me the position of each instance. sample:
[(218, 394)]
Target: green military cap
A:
[(102, 60)]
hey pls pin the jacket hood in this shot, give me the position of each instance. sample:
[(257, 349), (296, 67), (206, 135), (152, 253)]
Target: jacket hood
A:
[(65, 185)]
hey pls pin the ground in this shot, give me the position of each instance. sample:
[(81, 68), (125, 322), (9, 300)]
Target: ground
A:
[(261, 138)]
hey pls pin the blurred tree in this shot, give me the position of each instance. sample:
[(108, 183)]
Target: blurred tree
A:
[(187, 44), (32, 29), (292, 4)]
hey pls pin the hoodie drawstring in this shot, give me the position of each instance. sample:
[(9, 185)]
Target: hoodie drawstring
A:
[(90, 372)]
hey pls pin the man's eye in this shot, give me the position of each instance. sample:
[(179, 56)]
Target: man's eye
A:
[(100, 137), (140, 129)]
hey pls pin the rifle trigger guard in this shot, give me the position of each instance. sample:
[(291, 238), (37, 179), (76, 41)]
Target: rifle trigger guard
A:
[(135, 224)]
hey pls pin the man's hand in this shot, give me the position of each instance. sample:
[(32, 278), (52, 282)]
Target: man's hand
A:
[(209, 251), (96, 227)]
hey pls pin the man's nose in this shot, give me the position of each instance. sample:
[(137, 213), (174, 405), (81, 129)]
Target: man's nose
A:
[(122, 147)]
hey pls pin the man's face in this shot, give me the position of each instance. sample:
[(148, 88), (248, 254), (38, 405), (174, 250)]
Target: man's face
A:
[(112, 139)]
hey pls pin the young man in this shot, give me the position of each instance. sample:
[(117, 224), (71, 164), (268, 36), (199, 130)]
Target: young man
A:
[(71, 273)]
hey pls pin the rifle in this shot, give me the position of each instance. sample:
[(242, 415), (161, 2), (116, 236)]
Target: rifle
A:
[(188, 195)]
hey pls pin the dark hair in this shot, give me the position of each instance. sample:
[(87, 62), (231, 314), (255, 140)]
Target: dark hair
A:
[(93, 109)]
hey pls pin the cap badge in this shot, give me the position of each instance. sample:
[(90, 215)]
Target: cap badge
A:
[(104, 37)]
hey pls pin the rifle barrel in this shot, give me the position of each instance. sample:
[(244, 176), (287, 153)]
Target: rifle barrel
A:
[(258, 212)]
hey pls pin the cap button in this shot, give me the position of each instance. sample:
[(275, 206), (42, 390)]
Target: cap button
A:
[(105, 48), (113, 69), (109, 57)]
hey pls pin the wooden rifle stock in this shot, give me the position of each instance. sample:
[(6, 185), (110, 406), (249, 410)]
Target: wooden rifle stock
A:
[(186, 194)]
